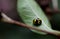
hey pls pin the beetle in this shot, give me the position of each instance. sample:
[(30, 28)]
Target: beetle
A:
[(37, 22)]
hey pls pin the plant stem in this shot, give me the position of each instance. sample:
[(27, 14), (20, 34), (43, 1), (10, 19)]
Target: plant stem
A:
[(9, 20)]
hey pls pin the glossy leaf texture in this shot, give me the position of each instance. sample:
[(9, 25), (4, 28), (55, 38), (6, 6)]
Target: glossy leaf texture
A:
[(29, 10)]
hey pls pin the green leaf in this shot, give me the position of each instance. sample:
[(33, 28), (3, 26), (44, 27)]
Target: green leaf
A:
[(29, 10)]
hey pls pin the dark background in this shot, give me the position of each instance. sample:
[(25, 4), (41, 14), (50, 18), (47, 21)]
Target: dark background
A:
[(12, 31)]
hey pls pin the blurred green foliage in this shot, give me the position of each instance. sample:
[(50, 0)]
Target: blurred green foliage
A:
[(56, 21), (12, 31)]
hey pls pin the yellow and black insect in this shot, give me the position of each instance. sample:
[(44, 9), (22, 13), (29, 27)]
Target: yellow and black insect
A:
[(37, 22)]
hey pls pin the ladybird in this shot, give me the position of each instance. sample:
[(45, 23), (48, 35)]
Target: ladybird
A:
[(37, 22)]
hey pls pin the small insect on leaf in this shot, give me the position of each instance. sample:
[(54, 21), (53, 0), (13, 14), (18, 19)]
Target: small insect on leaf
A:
[(29, 10), (37, 22)]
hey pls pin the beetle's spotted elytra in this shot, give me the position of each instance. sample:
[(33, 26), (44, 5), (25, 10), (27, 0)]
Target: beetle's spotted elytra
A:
[(37, 22)]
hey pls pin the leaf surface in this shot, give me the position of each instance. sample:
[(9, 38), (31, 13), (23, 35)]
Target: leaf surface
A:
[(29, 10)]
